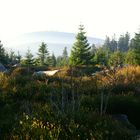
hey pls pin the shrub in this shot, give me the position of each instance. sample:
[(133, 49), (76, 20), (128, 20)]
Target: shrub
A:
[(93, 126), (121, 80), (3, 81), (19, 71), (125, 104)]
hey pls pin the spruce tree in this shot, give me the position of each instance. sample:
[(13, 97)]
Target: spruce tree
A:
[(63, 60), (135, 45), (93, 50), (12, 57), (59, 61), (2, 54), (42, 53), (123, 42), (65, 57), (29, 58), (107, 44), (130, 57), (18, 57), (48, 61), (80, 53), (116, 59), (65, 53), (53, 58), (113, 44), (101, 57)]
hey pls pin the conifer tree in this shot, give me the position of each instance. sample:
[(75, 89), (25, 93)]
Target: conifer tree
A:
[(65, 57), (48, 59), (53, 58), (65, 53), (113, 44), (12, 57), (107, 44), (93, 49), (29, 58), (80, 53), (59, 61), (2, 54), (130, 57), (123, 42), (42, 53), (18, 57), (116, 59), (101, 57), (135, 45)]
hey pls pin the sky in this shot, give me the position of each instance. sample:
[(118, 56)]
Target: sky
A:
[(100, 17)]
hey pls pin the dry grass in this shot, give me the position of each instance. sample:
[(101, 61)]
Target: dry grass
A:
[(123, 78)]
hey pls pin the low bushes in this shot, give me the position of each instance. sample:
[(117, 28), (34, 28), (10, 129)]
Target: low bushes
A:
[(67, 107), (125, 104), (82, 126), (117, 104)]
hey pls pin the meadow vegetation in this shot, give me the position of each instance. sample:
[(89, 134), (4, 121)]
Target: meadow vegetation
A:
[(69, 106)]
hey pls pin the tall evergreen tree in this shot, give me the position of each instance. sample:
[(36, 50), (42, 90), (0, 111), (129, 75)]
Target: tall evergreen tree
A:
[(53, 58), (12, 57), (63, 60), (29, 58), (123, 42), (80, 53), (65, 57), (130, 57), (110, 45), (48, 60), (101, 57), (107, 44), (113, 44), (116, 59), (59, 61), (65, 53), (107, 47), (93, 49), (135, 45), (42, 53), (2, 54), (18, 57)]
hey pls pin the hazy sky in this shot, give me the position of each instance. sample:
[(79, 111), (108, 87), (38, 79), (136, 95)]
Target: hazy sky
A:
[(100, 17)]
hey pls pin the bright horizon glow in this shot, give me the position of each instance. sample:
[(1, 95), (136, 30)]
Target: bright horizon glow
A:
[(100, 17)]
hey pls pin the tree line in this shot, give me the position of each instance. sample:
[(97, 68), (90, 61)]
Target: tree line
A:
[(43, 57), (112, 53)]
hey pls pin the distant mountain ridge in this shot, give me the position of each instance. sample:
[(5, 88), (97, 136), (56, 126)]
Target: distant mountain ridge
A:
[(56, 41)]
